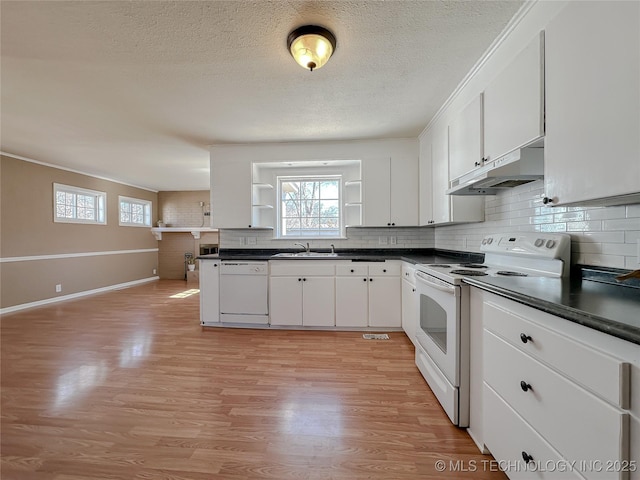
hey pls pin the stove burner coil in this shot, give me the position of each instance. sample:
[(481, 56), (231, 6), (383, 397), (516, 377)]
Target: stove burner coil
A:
[(473, 265), (469, 273), (507, 273)]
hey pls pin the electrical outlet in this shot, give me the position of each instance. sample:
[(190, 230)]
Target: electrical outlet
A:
[(393, 240), (154, 271), (383, 240), (243, 240), (58, 288), (201, 204), (252, 240)]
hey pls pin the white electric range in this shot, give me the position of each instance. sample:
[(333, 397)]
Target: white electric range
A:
[(442, 353)]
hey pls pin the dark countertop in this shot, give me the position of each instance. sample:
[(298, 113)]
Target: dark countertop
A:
[(609, 308), (415, 256), (589, 297)]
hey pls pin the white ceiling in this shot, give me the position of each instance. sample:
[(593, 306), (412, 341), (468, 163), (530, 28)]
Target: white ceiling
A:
[(137, 90)]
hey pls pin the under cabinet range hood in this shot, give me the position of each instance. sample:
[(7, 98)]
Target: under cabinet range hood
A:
[(516, 168)]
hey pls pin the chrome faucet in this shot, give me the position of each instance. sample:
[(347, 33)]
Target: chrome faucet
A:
[(307, 248), (333, 248)]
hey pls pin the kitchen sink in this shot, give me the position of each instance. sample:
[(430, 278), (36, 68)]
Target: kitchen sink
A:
[(305, 254)]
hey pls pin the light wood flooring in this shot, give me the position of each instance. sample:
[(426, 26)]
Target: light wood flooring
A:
[(127, 385)]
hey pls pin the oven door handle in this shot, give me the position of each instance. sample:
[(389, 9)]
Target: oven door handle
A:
[(425, 279)]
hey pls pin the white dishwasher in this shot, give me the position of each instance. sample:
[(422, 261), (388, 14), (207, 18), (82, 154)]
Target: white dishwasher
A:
[(243, 292)]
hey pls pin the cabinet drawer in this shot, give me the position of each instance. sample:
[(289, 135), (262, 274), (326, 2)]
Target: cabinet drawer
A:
[(300, 267), (384, 269), (579, 425), (510, 438), (604, 375), (352, 270), (409, 273)]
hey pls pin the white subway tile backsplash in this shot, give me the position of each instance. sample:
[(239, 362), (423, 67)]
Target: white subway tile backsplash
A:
[(622, 224), (584, 226), (605, 213), (633, 211), (613, 261), (357, 237), (605, 236)]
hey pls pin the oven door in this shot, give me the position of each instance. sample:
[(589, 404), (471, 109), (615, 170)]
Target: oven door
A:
[(439, 329)]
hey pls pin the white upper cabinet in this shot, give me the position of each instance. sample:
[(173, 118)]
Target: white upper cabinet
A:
[(465, 139), (390, 191), (513, 103), (426, 188), (592, 147), (230, 193), (445, 208)]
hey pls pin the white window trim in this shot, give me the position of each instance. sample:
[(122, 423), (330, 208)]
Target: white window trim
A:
[(320, 177), (60, 187), (146, 203)]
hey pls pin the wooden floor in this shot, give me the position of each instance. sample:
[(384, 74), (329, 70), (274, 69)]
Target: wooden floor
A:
[(127, 385)]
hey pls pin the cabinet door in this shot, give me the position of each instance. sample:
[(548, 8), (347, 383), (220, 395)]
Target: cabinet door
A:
[(209, 292), (230, 192), (318, 302), (385, 305), (409, 310), (351, 301), (465, 139), (440, 175), (376, 195), (514, 103), (285, 300), (425, 182), (404, 191), (592, 102)]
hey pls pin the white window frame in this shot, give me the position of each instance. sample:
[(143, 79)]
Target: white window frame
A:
[(309, 178), (148, 211), (100, 202)]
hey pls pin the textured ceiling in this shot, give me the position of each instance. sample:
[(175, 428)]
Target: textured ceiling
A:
[(137, 90)]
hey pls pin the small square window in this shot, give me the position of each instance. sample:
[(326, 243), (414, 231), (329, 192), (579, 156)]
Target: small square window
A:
[(79, 205), (134, 212)]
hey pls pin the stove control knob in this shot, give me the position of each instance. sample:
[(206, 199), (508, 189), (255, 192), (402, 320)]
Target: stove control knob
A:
[(539, 242), (551, 243), (484, 241), (489, 240)]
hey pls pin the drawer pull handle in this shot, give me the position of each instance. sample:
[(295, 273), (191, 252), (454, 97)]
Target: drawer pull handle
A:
[(525, 386), (525, 338), (526, 457)]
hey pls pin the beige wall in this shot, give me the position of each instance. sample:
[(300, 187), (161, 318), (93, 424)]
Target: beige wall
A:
[(27, 229), (173, 246), (182, 209)]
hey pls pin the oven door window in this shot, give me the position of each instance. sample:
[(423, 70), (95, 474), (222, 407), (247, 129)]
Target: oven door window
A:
[(433, 321)]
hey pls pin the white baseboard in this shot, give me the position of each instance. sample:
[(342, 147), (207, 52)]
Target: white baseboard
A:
[(71, 296)]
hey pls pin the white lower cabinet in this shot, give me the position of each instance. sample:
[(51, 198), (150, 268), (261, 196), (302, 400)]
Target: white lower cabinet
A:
[(385, 301), (324, 293), (302, 293), (352, 294), (410, 299), (368, 294), (209, 292), (557, 397)]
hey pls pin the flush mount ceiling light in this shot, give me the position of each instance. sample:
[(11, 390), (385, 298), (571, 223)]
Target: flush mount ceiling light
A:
[(311, 46)]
